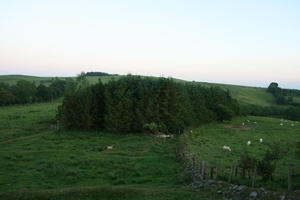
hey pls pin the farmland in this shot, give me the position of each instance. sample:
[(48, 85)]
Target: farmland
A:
[(207, 144), (39, 162)]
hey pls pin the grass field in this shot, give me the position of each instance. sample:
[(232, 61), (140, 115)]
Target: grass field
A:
[(249, 95), (296, 99), (13, 79), (207, 144), (39, 163)]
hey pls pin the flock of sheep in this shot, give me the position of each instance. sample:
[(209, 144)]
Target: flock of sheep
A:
[(227, 148), (282, 121)]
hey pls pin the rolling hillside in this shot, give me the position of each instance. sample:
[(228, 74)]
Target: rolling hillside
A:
[(12, 79), (244, 94)]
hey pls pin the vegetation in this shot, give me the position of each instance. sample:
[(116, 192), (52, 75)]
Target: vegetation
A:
[(40, 162), (131, 104), (37, 162), (245, 95), (99, 74), (27, 92), (278, 149)]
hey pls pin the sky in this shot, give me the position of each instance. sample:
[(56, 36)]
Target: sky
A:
[(245, 42)]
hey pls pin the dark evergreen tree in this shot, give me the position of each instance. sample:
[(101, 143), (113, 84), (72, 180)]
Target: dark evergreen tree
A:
[(137, 104), (43, 93), (6, 97)]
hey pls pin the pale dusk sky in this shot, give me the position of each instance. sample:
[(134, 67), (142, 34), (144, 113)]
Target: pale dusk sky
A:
[(247, 42)]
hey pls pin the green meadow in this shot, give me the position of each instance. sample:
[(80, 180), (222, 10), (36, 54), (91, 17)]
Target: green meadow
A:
[(13, 79), (38, 162), (207, 144)]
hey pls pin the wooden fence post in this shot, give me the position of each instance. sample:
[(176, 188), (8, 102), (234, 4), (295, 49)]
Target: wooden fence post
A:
[(203, 169), (212, 170), (230, 174), (254, 176), (290, 188), (236, 171)]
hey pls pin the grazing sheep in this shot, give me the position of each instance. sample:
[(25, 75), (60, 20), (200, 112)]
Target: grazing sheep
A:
[(248, 120), (109, 147), (260, 140), (165, 136), (249, 143), (243, 124), (255, 122), (281, 124), (191, 131), (227, 148), (292, 125)]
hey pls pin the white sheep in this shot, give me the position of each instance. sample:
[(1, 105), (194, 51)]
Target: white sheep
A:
[(165, 136), (255, 122), (243, 124), (249, 143), (227, 148), (281, 124), (292, 125), (260, 140), (109, 147)]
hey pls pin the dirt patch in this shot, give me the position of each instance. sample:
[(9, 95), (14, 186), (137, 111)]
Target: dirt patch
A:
[(238, 128), (19, 138)]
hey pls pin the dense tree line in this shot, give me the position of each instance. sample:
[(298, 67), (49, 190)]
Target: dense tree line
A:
[(287, 112), (99, 74), (283, 96), (285, 107), (27, 92), (136, 104)]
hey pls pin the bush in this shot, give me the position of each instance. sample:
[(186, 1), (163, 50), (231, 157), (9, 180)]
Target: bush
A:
[(267, 165), (247, 162)]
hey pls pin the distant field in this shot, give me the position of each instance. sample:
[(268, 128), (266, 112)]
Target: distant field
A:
[(296, 99), (207, 142), (248, 95), (12, 79), (39, 163)]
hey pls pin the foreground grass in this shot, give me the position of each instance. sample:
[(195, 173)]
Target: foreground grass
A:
[(207, 142), (39, 163)]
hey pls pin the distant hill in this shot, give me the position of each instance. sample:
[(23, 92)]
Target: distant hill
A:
[(12, 79), (244, 94), (99, 74)]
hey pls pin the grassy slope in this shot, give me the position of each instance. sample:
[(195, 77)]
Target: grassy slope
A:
[(296, 99), (12, 79), (207, 142), (39, 163), (248, 95)]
